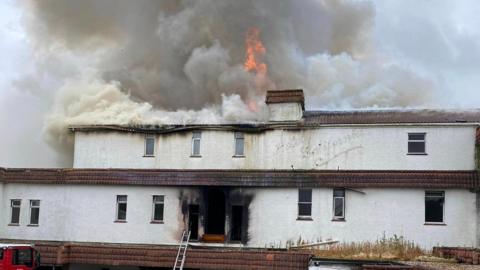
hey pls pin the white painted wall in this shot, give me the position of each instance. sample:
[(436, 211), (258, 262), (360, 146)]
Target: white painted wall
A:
[(368, 217), (371, 148), (290, 111), (87, 213)]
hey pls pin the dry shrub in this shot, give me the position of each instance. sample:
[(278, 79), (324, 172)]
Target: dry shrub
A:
[(393, 248)]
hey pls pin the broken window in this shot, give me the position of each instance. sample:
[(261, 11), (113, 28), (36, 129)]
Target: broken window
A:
[(196, 137), (304, 203), (121, 207), (239, 144), (416, 143), (34, 212), (15, 211), (434, 206), (149, 145), (158, 207), (339, 204)]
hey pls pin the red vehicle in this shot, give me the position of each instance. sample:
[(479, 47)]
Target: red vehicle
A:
[(18, 257)]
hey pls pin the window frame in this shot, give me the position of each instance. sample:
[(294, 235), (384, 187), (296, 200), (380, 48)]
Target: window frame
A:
[(118, 202), (194, 139), (442, 222), (147, 137), (417, 141), (304, 217), (154, 205), (30, 213), (342, 217), (15, 257), (238, 136), (19, 211)]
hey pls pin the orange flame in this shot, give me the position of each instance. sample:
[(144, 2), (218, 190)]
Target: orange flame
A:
[(254, 53)]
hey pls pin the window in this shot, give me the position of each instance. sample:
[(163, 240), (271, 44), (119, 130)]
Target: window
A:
[(34, 212), (149, 145), (339, 204), (239, 144), (22, 257), (121, 207), (1, 253), (158, 203), (434, 202), (15, 210), (197, 135), (304, 203), (416, 143)]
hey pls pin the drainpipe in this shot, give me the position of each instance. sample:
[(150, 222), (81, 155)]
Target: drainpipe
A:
[(477, 149), (477, 189)]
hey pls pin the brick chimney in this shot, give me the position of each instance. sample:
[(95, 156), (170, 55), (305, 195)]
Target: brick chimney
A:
[(285, 105)]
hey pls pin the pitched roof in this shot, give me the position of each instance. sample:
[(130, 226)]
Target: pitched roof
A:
[(391, 117), (246, 178)]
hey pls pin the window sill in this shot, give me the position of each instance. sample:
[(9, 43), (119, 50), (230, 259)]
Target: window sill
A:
[(156, 222), (434, 224), (13, 224), (238, 156), (195, 156), (304, 219), (338, 220), (148, 156), (417, 154), (32, 225), (120, 221)]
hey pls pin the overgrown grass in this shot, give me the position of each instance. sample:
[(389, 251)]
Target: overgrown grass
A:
[(392, 248)]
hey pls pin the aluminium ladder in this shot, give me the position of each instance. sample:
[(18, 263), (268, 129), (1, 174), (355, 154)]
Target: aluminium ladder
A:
[(182, 250)]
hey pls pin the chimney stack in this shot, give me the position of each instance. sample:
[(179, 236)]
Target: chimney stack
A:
[(285, 105)]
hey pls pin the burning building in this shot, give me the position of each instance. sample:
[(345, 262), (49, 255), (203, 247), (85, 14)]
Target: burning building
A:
[(299, 177)]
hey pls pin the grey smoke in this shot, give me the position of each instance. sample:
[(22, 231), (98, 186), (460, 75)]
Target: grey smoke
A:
[(132, 62)]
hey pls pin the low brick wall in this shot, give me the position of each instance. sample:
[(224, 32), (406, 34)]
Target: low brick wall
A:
[(395, 267), (463, 255)]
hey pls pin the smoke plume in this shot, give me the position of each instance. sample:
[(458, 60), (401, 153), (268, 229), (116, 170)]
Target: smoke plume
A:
[(155, 62)]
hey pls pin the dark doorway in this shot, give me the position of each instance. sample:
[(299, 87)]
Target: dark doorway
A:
[(193, 221), (215, 212), (236, 223)]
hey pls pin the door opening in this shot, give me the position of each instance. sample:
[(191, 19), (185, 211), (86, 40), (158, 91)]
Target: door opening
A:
[(215, 212), (193, 221), (236, 223)]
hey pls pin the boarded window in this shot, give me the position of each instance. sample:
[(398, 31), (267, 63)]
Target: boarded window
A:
[(34, 212), (196, 137), (22, 257), (304, 203), (15, 211), (339, 203), (434, 206), (416, 143), (149, 145), (158, 208), (239, 144), (121, 207)]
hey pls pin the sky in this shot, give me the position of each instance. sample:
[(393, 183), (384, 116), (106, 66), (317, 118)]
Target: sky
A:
[(435, 40)]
